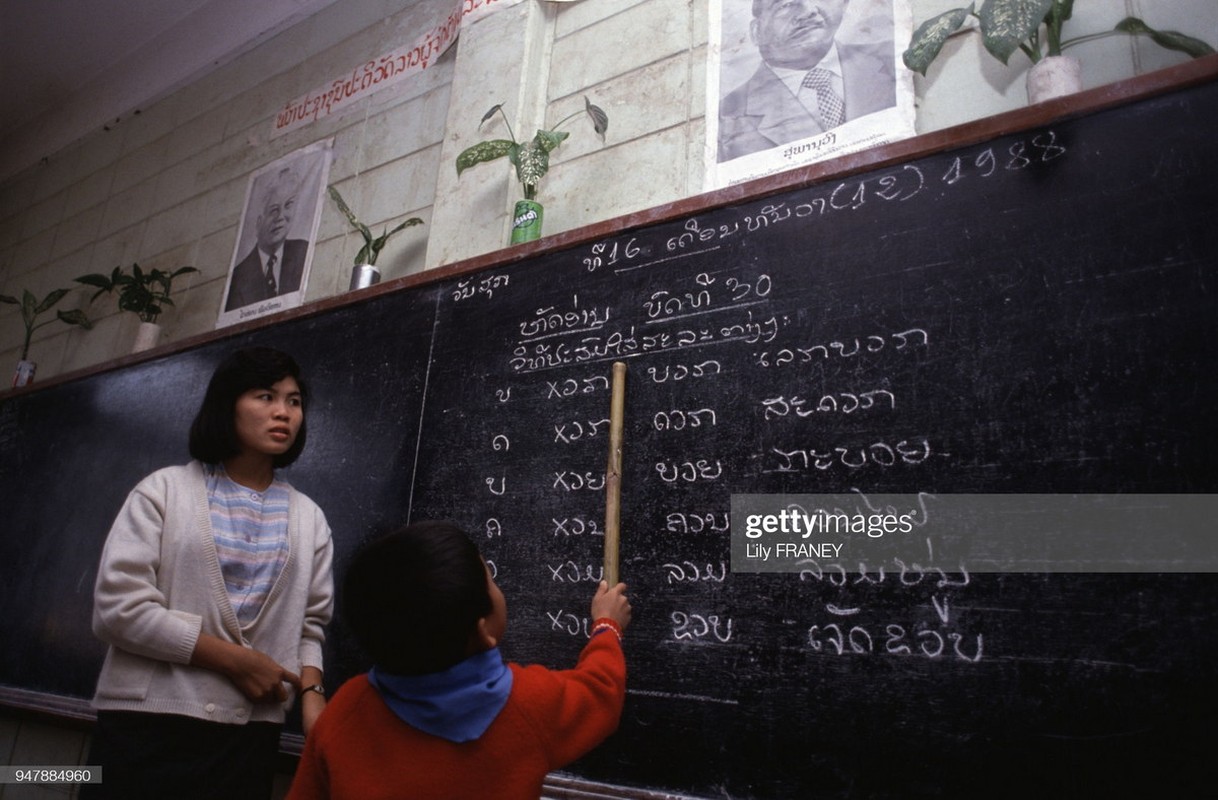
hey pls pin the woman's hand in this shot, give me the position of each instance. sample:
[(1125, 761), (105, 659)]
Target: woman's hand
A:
[(611, 603), (256, 675), (261, 678)]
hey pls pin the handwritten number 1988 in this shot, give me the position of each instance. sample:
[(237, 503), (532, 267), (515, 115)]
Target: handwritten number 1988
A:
[(1020, 155)]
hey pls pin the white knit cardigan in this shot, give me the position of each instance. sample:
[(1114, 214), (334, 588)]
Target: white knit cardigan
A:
[(159, 586)]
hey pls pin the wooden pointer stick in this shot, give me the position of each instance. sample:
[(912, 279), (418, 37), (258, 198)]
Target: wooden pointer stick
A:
[(613, 474)]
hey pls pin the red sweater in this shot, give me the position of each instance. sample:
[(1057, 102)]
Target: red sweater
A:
[(360, 750)]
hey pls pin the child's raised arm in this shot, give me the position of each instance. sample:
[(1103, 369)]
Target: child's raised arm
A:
[(611, 603)]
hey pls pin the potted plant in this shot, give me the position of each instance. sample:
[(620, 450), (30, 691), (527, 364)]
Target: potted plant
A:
[(1035, 27), (364, 273), (531, 160), (144, 293), (31, 309)]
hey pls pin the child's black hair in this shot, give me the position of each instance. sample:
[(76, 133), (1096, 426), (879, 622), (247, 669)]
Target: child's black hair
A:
[(413, 598), (213, 434)]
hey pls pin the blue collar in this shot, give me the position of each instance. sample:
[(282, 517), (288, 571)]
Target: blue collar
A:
[(458, 704)]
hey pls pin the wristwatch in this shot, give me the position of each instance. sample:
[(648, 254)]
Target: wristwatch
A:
[(317, 687)]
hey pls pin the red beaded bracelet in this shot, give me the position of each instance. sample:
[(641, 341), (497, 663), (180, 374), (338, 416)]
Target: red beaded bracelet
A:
[(606, 624)]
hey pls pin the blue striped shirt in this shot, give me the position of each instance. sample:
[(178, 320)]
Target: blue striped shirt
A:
[(251, 535)]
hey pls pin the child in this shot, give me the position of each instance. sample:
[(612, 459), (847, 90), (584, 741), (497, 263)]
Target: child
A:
[(441, 715)]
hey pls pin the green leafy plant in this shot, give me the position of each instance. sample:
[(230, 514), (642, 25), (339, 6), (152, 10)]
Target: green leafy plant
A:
[(372, 245), (31, 309), (1033, 26), (144, 293), (531, 158)]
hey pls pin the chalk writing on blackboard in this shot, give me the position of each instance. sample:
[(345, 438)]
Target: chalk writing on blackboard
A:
[(571, 572), (570, 432), (911, 451), (896, 640), (698, 522), (708, 628), (576, 526), (575, 481), (680, 372), (702, 469), (691, 572), (841, 402), (573, 386), (677, 420), (569, 623), (484, 286), (914, 338), (900, 184), (626, 344), (550, 321)]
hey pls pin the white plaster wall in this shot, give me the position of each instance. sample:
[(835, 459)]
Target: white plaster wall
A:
[(165, 187)]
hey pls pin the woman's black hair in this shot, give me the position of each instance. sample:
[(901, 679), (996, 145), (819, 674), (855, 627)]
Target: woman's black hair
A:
[(213, 434), (413, 598)]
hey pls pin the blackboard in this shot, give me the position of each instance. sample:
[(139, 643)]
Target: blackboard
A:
[(1031, 313)]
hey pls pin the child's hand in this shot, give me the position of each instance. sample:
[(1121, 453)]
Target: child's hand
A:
[(611, 603)]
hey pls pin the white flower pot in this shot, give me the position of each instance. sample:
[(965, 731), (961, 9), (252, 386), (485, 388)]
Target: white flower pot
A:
[(25, 373), (146, 337), (1054, 76)]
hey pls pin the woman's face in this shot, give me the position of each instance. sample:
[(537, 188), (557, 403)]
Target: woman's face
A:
[(268, 420)]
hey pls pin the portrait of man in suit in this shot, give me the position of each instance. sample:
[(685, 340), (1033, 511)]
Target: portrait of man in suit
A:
[(808, 82), (273, 252), (275, 264)]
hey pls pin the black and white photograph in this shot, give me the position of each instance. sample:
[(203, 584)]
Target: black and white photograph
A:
[(791, 82), (270, 266)]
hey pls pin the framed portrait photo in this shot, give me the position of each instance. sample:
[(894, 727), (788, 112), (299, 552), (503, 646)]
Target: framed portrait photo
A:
[(791, 83), (274, 249)]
